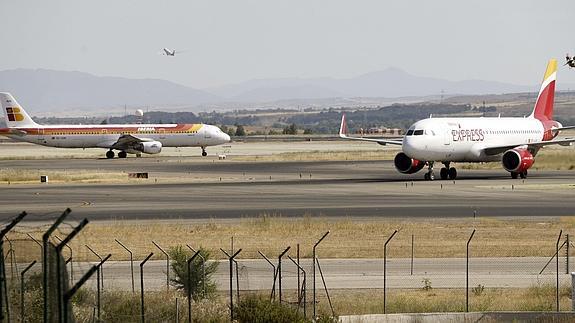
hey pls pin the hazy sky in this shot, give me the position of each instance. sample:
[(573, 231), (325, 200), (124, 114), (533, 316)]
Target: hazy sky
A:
[(233, 41)]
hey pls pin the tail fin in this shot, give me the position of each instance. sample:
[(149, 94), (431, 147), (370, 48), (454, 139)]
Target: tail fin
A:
[(14, 113), (543, 109), (343, 127)]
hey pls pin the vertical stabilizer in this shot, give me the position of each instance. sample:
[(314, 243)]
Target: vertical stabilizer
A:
[(543, 109), (14, 113)]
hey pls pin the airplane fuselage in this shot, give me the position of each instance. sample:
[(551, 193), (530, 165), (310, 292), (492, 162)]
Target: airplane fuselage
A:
[(104, 136), (464, 139)]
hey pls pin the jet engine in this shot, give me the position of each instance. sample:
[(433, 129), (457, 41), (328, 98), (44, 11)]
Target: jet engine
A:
[(517, 160), (407, 165), (149, 147)]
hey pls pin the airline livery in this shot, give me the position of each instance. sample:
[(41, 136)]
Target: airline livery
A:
[(513, 141), (127, 139)]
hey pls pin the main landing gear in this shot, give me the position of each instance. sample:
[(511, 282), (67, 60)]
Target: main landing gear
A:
[(522, 174), (110, 154), (204, 153), (445, 173)]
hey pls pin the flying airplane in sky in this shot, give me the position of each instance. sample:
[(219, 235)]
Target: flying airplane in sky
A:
[(126, 138), (513, 141), (169, 52)]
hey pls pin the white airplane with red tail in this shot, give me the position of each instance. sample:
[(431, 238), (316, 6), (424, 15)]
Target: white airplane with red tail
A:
[(513, 141)]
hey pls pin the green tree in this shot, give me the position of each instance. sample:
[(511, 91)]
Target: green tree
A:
[(180, 256), (290, 130), (308, 131), (240, 131)]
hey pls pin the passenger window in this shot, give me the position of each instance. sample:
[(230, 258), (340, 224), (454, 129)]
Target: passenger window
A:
[(409, 132), (418, 132)]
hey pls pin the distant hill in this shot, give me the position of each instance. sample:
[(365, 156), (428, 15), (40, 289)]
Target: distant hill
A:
[(47, 90), (389, 83)]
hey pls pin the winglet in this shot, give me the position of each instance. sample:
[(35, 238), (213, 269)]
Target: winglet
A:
[(343, 127)]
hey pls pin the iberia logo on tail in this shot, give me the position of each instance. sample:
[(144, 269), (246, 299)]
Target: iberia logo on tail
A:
[(14, 114)]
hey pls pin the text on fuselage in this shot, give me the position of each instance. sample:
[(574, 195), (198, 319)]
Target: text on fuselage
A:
[(467, 134)]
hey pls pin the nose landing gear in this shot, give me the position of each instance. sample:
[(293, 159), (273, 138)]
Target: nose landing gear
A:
[(429, 176), (204, 153)]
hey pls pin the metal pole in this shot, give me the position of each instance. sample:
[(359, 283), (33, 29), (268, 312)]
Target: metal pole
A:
[(70, 260), (167, 265), (22, 304), (325, 287), (314, 246), (3, 287), (190, 285), (203, 269), (237, 282), (131, 262), (467, 272), (567, 253), (280, 271), (98, 293), (177, 312), (557, 269), (142, 307), (298, 270), (231, 259), (100, 270), (45, 238), (272, 295), (70, 293), (411, 267), (385, 270), (11, 252), (299, 299)]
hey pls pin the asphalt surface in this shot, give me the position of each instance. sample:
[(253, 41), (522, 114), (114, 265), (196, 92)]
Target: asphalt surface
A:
[(195, 188)]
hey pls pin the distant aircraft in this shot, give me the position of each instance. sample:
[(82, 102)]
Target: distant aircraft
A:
[(127, 138), (169, 52), (570, 61), (513, 141)]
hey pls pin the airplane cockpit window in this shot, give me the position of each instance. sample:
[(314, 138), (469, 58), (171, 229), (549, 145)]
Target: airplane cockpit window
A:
[(430, 132), (418, 132), (409, 132)]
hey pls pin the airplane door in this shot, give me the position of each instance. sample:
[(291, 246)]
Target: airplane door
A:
[(41, 138), (447, 137), (162, 133)]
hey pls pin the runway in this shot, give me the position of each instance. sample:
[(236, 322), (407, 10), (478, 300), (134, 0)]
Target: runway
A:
[(195, 188)]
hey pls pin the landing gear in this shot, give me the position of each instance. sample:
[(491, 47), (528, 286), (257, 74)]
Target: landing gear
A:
[(448, 172), (523, 174), (429, 176), (122, 154), (110, 154), (204, 153)]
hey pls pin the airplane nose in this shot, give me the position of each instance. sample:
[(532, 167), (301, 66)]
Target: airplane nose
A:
[(226, 137)]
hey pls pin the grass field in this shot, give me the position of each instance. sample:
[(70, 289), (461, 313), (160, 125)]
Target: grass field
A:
[(348, 238)]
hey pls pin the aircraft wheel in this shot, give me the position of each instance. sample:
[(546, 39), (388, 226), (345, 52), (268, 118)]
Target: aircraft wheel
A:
[(443, 173), (204, 153), (122, 154), (452, 173), (110, 154), (429, 176), (426, 176), (514, 175), (523, 175)]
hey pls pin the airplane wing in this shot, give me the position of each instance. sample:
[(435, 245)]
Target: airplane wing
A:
[(343, 134), (127, 141), (532, 145)]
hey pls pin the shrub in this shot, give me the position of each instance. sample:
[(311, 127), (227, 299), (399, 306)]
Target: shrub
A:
[(256, 309), (180, 256)]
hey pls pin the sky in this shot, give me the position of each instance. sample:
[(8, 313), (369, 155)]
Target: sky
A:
[(230, 41)]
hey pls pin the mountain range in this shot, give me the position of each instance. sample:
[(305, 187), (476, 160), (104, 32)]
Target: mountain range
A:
[(44, 90)]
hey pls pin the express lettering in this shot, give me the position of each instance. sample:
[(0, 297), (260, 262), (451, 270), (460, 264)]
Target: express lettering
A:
[(467, 134)]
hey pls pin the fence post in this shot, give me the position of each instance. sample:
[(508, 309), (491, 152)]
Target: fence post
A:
[(45, 238), (100, 269), (272, 295), (69, 260), (70, 293), (313, 261), (231, 260), (385, 270), (557, 268), (303, 291), (167, 265), (131, 263), (22, 304), (3, 287), (573, 291), (412, 249), (280, 272), (142, 306), (298, 270), (567, 253), (467, 272), (203, 269), (325, 287), (190, 285)]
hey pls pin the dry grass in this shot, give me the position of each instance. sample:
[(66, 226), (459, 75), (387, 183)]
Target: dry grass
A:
[(348, 238), (33, 176)]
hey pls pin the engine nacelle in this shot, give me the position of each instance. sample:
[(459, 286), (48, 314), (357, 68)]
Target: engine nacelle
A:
[(407, 165), (517, 160), (149, 147)]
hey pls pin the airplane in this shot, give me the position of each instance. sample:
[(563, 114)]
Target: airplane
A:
[(513, 141), (126, 138), (169, 52)]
